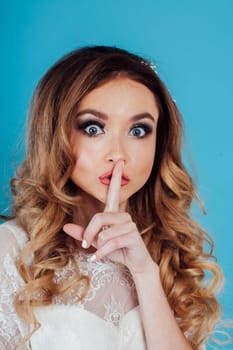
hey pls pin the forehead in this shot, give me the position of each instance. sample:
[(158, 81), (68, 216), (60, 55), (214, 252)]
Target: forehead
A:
[(121, 94)]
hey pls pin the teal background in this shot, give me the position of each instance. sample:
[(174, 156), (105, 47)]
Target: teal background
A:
[(191, 43)]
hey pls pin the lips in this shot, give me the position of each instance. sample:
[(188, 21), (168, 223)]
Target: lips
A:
[(106, 178)]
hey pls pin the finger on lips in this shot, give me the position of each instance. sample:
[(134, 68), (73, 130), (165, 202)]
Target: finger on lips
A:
[(112, 200), (113, 195)]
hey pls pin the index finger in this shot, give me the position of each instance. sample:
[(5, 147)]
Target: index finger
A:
[(113, 195)]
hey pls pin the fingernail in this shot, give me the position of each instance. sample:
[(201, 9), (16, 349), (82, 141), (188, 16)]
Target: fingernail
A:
[(93, 257), (84, 244)]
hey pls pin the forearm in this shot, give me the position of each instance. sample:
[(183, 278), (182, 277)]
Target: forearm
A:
[(160, 326)]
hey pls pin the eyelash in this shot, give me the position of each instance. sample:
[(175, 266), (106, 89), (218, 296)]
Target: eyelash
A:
[(147, 129), (83, 125)]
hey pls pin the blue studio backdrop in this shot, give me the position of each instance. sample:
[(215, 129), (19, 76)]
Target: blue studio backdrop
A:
[(191, 43)]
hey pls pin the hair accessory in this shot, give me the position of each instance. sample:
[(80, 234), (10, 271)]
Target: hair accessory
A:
[(150, 64)]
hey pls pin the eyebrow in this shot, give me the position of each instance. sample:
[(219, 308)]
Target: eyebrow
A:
[(104, 116)]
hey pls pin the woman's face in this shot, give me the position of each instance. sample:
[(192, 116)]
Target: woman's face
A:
[(114, 121)]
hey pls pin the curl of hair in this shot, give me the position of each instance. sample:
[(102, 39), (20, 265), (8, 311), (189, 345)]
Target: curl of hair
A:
[(44, 197)]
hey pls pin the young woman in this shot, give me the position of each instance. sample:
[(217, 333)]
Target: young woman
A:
[(100, 251)]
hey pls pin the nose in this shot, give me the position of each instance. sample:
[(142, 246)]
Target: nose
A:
[(116, 150)]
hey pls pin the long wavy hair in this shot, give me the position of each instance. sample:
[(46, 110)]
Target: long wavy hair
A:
[(44, 197)]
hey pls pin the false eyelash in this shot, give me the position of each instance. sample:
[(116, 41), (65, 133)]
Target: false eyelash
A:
[(86, 123), (82, 125), (148, 129)]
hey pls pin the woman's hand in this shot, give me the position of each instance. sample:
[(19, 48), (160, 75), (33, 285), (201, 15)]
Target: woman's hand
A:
[(113, 233)]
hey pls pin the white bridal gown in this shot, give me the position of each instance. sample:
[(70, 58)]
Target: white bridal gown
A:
[(107, 319)]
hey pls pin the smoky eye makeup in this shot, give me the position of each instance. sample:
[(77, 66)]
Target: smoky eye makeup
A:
[(91, 127), (141, 130), (94, 127)]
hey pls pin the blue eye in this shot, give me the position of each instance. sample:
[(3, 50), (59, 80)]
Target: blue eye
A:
[(140, 131), (91, 128)]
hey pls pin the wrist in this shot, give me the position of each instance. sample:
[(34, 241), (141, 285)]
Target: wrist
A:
[(150, 271)]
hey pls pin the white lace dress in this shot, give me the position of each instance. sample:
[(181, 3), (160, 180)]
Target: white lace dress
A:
[(107, 319)]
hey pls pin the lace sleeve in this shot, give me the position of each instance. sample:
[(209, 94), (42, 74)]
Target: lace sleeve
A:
[(12, 329)]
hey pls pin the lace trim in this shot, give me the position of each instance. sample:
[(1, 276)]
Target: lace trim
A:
[(18, 233), (103, 274), (12, 329), (114, 312), (110, 286)]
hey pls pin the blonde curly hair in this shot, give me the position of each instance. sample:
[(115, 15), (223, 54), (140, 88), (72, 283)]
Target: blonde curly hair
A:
[(44, 197)]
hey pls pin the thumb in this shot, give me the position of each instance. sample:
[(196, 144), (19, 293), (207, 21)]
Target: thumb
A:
[(73, 230)]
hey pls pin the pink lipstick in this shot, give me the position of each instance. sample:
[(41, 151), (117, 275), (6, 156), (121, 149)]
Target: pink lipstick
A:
[(106, 178)]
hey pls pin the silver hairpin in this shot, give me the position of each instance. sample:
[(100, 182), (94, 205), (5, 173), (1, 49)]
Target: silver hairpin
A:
[(150, 64), (153, 66)]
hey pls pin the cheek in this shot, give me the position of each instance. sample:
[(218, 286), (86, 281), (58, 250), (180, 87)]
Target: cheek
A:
[(146, 167), (144, 159), (84, 155), (82, 171), (83, 163)]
